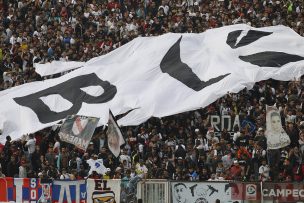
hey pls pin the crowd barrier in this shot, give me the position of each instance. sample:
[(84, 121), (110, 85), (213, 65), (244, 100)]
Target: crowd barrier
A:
[(31, 190), (154, 191)]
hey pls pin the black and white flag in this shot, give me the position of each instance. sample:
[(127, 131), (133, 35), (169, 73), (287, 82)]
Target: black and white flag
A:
[(114, 136), (156, 76), (78, 130)]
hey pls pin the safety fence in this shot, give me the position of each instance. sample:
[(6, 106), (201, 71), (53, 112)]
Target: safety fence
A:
[(30, 190)]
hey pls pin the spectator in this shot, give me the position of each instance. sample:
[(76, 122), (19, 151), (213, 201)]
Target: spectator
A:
[(12, 168), (50, 156), (264, 171), (22, 170), (31, 146), (141, 169), (1, 173), (65, 175), (236, 171)]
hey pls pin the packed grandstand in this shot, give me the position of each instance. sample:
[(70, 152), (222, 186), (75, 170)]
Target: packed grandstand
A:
[(183, 147)]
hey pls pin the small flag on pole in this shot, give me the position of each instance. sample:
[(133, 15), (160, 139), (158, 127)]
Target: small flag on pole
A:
[(115, 138)]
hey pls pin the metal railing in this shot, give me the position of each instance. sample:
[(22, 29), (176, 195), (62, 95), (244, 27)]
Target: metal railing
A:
[(153, 191)]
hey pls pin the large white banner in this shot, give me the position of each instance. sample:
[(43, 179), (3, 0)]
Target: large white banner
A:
[(276, 136), (56, 67), (206, 192), (157, 76)]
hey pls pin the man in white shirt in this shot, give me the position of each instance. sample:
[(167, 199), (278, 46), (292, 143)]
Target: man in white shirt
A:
[(141, 169), (211, 136), (125, 157), (264, 171), (22, 170), (31, 145)]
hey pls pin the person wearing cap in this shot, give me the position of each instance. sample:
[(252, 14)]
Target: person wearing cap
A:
[(107, 174), (180, 150), (40, 175), (95, 175), (118, 173), (181, 163)]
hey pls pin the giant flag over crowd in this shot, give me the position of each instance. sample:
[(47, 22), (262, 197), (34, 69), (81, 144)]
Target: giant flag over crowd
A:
[(157, 76)]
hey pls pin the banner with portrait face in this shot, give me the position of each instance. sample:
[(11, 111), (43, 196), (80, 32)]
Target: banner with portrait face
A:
[(207, 192), (115, 137), (78, 130), (276, 136)]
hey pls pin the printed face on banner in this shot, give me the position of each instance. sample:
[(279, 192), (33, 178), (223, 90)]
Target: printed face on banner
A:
[(113, 138), (187, 192), (180, 192), (276, 136), (78, 130), (79, 125), (232, 190)]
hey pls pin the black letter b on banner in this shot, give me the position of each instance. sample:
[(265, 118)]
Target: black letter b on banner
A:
[(69, 90)]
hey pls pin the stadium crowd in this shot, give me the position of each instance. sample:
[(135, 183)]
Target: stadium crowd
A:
[(179, 147)]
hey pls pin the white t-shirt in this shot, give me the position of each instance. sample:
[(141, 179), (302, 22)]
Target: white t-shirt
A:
[(22, 172), (141, 170), (65, 176), (264, 170), (31, 145), (126, 158), (97, 165)]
